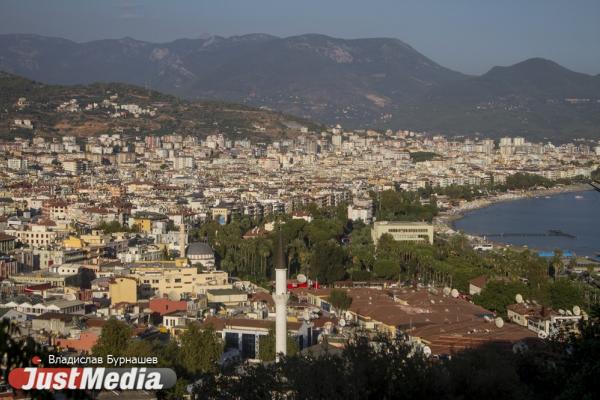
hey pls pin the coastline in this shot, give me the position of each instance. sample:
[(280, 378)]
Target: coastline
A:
[(447, 219)]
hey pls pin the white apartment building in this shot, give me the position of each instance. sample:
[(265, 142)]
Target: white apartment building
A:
[(403, 231)]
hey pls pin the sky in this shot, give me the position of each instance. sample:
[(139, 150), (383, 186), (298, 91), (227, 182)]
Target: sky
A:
[(470, 36)]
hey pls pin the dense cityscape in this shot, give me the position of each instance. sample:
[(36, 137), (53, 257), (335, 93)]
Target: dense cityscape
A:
[(336, 200), (154, 234)]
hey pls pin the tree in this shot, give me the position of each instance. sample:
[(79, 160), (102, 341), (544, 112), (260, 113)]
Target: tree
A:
[(387, 247), (114, 339), (420, 156), (266, 346), (111, 227), (19, 353), (385, 368), (328, 262), (564, 294), (403, 206), (361, 275), (361, 248), (200, 350), (340, 300), (497, 295), (387, 269), (526, 181), (321, 230), (556, 263), (140, 348)]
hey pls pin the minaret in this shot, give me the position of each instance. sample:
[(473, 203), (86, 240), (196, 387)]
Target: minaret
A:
[(182, 239), (280, 297)]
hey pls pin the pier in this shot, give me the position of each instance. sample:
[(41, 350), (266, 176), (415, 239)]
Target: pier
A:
[(551, 232)]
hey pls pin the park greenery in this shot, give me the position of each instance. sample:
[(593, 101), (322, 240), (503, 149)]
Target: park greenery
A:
[(115, 227), (330, 248), (420, 156), (515, 182)]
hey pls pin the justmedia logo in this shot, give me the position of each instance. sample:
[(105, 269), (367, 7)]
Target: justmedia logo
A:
[(88, 378)]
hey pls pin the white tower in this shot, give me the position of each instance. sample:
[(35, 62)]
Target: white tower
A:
[(182, 238), (280, 297)]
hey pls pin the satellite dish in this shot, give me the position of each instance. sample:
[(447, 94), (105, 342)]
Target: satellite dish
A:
[(569, 313), (499, 322), (542, 335), (427, 351), (576, 310), (561, 311), (342, 322), (454, 293), (70, 296), (447, 291), (301, 278), (519, 298)]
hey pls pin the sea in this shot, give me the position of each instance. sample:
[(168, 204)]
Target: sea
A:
[(573, 217)]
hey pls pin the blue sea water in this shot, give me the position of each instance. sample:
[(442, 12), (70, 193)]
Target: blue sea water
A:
[(576, 214)]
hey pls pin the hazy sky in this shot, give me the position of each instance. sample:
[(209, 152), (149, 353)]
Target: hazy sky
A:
[(467, 35)]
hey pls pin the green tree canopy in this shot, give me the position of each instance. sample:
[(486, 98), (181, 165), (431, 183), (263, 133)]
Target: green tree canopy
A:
[(340, 300), (387, 269), (497, 295), (200, 350), (114, 339), (266, 346), (328, 262)]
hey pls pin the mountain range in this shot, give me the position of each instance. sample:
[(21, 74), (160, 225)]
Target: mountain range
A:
[(358, 83)]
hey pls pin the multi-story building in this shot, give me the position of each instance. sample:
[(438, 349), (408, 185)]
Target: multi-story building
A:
[(176, 282), (403, 231)]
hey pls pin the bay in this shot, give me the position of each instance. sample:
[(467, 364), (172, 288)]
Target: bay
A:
[(575, 213)]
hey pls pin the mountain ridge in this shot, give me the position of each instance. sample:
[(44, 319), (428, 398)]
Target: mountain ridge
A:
[(359, 83), (40, 103)]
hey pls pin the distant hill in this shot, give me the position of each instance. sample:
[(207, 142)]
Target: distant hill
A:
[(169, 114), (377, 82)]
